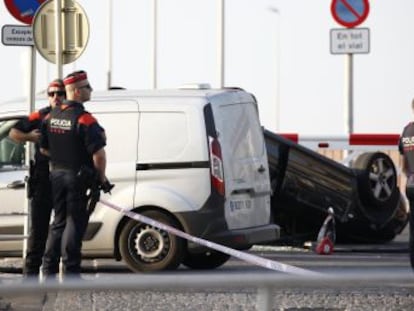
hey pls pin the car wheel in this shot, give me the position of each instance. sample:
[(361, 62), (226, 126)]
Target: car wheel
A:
[(146, 248), (208, 260), (362, 231), (377, 185)]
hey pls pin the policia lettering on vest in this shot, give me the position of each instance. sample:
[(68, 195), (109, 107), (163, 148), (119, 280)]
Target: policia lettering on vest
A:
[(75, 142)]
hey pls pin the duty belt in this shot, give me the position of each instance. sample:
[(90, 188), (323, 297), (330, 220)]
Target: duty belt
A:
[(55, 167)]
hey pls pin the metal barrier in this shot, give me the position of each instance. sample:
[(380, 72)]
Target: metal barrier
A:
[(346, 142), (265, 283)]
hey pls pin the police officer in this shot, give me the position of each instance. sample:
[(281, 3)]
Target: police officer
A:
[(75, 142), (406, 148), (28, 130)]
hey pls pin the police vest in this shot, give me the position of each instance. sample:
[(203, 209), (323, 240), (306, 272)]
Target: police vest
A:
[(407, 144), (66, 143), (42, 161)]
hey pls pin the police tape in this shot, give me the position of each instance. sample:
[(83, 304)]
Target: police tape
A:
[(253, 259)]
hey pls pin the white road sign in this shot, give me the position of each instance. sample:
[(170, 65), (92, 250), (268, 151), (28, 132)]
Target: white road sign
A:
[(350, 41), (17, 35), (74, 32)]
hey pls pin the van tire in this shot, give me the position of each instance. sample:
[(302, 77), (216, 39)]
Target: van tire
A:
[(145, 248), (210, 259)]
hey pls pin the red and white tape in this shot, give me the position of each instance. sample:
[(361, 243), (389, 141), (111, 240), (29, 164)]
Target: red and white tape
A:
[(347, 142), (253, 259)]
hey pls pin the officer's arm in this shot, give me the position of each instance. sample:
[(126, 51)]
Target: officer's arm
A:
[(45, 152), (22, 137), (404, 165), (99, 161)]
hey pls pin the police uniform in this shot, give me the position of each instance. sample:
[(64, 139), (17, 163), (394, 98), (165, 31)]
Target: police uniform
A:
[(406, 148), (72, 136), (41, 198)]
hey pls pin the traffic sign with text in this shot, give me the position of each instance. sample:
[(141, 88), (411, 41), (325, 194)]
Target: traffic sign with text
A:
[(350, 41), (18, 35)]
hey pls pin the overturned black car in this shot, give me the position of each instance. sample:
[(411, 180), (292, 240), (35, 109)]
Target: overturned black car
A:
[(365, 197)]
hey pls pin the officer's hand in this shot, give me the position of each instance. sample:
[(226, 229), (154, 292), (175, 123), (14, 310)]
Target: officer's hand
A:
[(106, 186), (34, 136)]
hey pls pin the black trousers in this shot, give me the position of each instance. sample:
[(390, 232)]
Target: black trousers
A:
[(409, 191), (40, 210), (69, 225)]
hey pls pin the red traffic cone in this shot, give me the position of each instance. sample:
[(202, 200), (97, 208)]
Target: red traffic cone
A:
[(324, 247), (326, 236)]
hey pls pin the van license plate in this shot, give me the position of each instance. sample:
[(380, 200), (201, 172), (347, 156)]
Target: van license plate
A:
[(236, 205)]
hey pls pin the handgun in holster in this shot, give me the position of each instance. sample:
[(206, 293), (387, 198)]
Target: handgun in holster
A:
[(93, 195), (89, 183), (89, 180)]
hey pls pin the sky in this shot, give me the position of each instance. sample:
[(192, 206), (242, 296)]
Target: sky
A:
[(279, 50)]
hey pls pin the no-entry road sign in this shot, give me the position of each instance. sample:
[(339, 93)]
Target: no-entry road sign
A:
[(350, 13), (23, 10)]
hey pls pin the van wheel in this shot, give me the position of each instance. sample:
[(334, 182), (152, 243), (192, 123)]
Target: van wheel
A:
[(145, 248), (208, 260)]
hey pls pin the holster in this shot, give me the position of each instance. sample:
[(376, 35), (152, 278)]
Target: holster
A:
[(89, 183)]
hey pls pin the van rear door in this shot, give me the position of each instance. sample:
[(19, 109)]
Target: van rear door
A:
[(246, 173)]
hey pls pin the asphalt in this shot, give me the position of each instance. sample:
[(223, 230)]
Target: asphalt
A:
[(10, 267), (24, 302)]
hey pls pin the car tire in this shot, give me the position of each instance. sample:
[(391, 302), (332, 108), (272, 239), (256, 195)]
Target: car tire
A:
[(145, 248), (210, 259), (362, 231), (377, 185)]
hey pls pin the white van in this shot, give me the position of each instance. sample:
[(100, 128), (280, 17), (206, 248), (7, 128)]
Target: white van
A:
[(192, 158)]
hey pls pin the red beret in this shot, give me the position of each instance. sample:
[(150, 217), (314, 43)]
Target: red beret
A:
[(75, 77), (56, 83)]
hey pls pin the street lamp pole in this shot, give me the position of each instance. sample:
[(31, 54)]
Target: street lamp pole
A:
[(220, 41), (110, 43), (154, 44), (277, 91)]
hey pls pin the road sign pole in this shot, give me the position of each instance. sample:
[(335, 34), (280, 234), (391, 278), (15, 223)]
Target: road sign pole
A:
[(349, 103), (349, 94), (58, 38), (29, 147)]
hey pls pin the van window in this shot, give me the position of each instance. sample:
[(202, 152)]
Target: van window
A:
[(11, 152), (241, 130)]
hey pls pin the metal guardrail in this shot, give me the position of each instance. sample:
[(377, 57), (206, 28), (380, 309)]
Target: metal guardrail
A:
[(265, 283)]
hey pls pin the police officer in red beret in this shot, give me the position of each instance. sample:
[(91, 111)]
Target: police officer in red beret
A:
[(28, 130), (406, 148), (75, 143)]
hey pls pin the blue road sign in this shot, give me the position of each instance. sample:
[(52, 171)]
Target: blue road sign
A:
[(350, 13), (23, 10)]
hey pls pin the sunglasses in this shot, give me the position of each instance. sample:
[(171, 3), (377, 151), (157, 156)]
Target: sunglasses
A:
[(87, 86), (58, 93)]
